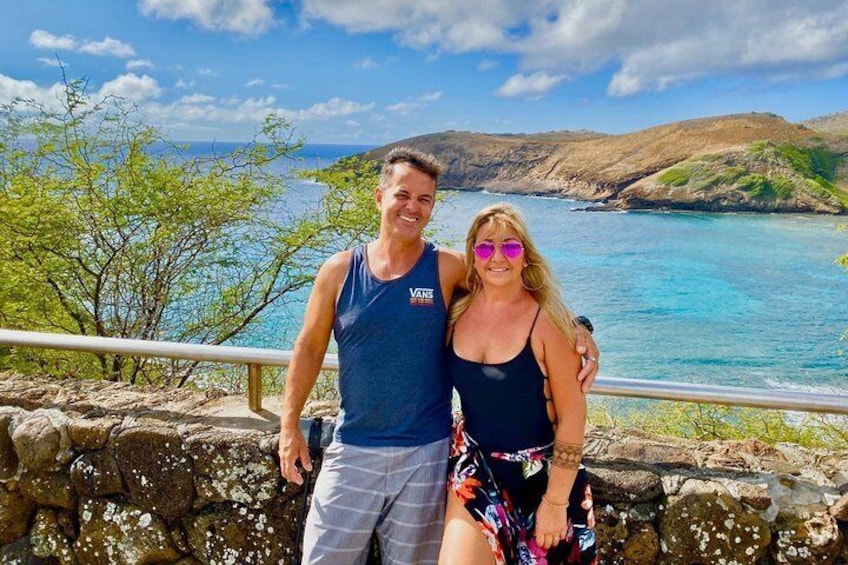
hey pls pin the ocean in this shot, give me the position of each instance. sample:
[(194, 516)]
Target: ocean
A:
[(750, 300)]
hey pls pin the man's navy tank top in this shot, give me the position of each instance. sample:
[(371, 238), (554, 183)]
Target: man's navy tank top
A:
[(392, 382)]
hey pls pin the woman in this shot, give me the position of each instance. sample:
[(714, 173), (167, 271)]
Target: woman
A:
[(515, 475)]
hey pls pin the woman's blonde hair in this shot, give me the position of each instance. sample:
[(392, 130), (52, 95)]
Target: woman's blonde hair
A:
[(536, 277)]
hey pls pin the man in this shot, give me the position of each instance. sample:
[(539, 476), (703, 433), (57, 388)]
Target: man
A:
[(386, 302)]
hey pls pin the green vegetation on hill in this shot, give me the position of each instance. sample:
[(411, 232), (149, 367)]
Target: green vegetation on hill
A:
[(766, 171)]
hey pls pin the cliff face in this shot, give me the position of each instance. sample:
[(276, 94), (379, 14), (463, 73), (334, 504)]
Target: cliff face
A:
[(626, 171)]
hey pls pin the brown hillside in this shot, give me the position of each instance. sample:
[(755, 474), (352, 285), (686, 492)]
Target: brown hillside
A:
[(597, 167), (836, 124)]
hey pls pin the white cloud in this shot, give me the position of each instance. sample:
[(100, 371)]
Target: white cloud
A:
[(11, 88), (195, 113), (402, 108), (196, 99), (652, 44), (207, 73), (530, 86), (333, 108), (136, 64), (405, 108), (202, 110), (132, 87), (46, 40), (453, 26), (51, 62), (250, 17), (367, 63), (108, 46), (255, 82)]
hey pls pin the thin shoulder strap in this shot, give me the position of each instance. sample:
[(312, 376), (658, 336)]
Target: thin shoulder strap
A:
[(534, 322)]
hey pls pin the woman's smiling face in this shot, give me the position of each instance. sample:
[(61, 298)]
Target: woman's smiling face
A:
[(498, 268)]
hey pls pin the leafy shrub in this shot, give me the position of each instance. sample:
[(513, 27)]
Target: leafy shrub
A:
[(109, 230)]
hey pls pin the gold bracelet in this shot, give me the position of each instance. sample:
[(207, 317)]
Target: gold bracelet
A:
[(553, 504)]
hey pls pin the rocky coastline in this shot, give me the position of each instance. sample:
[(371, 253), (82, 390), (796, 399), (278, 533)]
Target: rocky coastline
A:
[(738, 163)]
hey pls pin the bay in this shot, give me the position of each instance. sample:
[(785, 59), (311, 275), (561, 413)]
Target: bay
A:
[(730, 299), (750, 300)]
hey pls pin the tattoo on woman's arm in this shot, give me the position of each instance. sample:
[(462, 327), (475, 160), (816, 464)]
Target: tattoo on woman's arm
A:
[(567, 455)]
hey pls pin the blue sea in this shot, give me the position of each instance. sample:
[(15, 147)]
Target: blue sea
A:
[(734, 299)]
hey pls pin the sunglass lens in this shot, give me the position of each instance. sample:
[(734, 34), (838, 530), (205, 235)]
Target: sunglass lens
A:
[(484, 250), (511, 249)]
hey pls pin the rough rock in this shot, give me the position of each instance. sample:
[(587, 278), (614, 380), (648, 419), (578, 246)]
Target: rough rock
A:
[(747, 455), (231, 533), (156, 469), (8, 457), (657, 498), (91, 434), (642, 545), (840, 509), (806, 539), (625, 537), (40, 444), (113, 533), (20, 553), (232, 467), (48, 539), (755, 496), (623, 483), (653, 453), (15, 513), (97, 474), (49, 488), (719, 527)]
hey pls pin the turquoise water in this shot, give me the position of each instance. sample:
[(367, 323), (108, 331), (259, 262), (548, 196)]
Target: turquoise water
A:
[(748, 300), (736, 299)]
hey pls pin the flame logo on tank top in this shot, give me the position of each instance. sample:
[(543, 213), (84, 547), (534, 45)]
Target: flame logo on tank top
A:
[(421, 296)]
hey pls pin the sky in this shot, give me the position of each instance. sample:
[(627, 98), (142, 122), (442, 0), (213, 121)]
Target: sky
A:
[(377, 71)]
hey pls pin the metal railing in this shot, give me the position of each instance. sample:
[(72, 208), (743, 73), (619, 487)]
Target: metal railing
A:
[(255, 358)]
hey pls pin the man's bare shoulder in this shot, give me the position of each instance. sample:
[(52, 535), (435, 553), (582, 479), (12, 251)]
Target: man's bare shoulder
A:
[(451, 266), (451, 258), (334, 269)]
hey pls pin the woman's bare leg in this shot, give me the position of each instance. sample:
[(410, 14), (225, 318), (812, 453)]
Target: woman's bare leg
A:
[(463, 542)]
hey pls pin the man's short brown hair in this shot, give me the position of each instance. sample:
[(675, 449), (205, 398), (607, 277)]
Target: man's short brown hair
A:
[(419, 160)]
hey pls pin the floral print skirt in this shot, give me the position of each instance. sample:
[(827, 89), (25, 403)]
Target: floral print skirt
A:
[(501, 491)]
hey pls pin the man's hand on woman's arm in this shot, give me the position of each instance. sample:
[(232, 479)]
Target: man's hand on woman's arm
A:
[(588, 350)]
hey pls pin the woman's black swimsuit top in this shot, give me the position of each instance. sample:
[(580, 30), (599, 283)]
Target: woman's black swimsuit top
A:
[(504, 404)]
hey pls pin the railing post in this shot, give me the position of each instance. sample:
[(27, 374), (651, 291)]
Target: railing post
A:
[(254, 387)]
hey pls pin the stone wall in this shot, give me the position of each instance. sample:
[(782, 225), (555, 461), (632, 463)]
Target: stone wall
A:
[(94, 472)]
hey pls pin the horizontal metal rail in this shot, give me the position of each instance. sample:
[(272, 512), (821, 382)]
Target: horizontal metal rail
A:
[(255, 358)]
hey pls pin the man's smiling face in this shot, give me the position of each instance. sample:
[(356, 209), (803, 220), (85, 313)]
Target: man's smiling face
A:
[(406, 202)]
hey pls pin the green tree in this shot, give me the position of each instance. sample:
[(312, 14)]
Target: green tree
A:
[(107, 229)]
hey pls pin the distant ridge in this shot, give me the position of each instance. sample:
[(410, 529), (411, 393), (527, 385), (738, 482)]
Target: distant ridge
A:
[(743, 162), (836, 124)]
